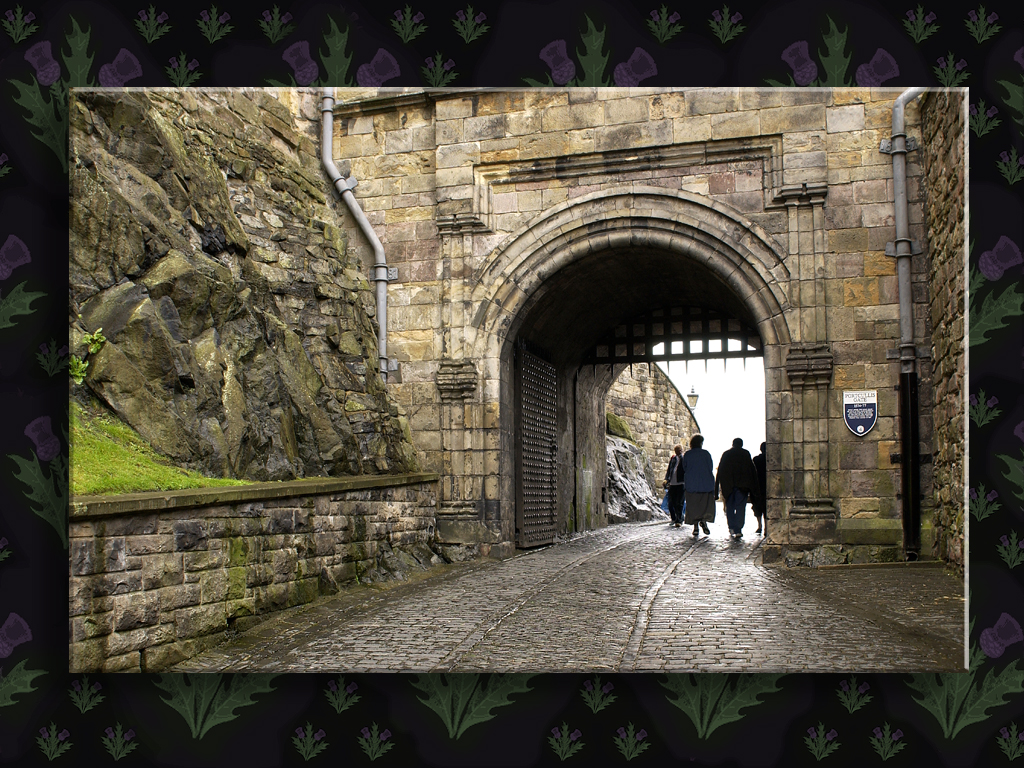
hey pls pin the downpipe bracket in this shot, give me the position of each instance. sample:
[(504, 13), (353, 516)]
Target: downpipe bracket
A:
[(892, 247), (885, 146), (923, 353), (346, 184)]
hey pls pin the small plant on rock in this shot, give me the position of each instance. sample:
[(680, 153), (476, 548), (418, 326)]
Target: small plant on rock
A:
[(77, 368), (95, 340)]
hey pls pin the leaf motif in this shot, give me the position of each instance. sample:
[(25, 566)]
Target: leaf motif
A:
[(182, 696), (205, 701), (687, 698), (462, 701), (834, 62), (50, 493), (994, 312), (79, 61), (51, 130), (438, 698), (17, 302), (1016, 472), (975, 279), (593, 61), (956, 702), (237, 693), (463, 689), (335, 61), (744, 694), (493, 694), (18, 680), (1014, 99), (708, 700)]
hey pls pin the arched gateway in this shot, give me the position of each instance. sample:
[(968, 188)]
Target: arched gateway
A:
[(527, 227), (649, 247)]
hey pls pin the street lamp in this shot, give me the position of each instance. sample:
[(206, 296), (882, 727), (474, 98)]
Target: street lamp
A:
[(692, 398)]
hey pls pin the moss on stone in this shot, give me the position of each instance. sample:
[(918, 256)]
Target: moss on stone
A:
[(236, 583), (238, 551), (617, 426), (304, 591)]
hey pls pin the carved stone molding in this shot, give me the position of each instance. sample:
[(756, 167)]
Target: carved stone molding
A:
[(812, 507), (461, 224), (806, 193), (456, 379), (809, 365), (458, 510)]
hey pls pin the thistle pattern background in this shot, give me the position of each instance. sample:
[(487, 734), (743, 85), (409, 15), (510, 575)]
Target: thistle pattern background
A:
[(47, 47)]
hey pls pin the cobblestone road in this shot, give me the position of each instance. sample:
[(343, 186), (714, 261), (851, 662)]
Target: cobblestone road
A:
[(638, 597)]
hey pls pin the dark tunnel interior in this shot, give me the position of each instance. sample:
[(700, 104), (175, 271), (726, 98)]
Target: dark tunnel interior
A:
[(586, 299)]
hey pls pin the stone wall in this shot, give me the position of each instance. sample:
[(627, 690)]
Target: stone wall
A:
[(207, 244), (158, 577), (944, 154), (777, 201), (657, 414)]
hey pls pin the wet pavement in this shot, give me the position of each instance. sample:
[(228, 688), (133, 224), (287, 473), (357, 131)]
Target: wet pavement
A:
[(636, 597)]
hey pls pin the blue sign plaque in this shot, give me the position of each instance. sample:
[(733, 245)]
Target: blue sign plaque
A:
[(860, 411)]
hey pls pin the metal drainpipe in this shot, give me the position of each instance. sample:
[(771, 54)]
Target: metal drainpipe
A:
[(903, 249), (345, 187)]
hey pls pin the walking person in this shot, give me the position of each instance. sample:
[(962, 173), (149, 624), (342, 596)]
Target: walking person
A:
[(674, 481), (699, 478), (759, 503), (736, 479)]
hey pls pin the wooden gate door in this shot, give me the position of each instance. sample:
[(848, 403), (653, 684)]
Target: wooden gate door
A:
[(535, 450)]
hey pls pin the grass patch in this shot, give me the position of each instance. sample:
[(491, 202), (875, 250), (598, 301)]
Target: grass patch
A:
[(109, 457)]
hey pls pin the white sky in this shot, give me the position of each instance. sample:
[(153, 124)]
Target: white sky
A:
[(730, 403)]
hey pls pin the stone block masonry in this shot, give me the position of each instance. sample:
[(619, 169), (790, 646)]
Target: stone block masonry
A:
[(158, 577), (775, 203), (944, 150)]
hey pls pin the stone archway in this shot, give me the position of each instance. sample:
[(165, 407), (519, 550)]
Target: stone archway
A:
[(733, 258)]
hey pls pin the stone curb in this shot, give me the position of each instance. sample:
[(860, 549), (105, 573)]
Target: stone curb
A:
[(87, 507), (914, 564)]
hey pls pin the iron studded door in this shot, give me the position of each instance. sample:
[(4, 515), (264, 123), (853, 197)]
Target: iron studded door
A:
[(535, 450)]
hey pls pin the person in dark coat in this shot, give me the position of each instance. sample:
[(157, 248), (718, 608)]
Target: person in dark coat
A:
[(674, 481), (759, 503), (736, 480), (699, 476)]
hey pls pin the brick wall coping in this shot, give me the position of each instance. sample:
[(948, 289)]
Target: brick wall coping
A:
[(87, 507)]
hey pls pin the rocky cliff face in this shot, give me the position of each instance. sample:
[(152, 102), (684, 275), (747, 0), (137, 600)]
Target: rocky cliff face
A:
[(630, 498), (205, 244)]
